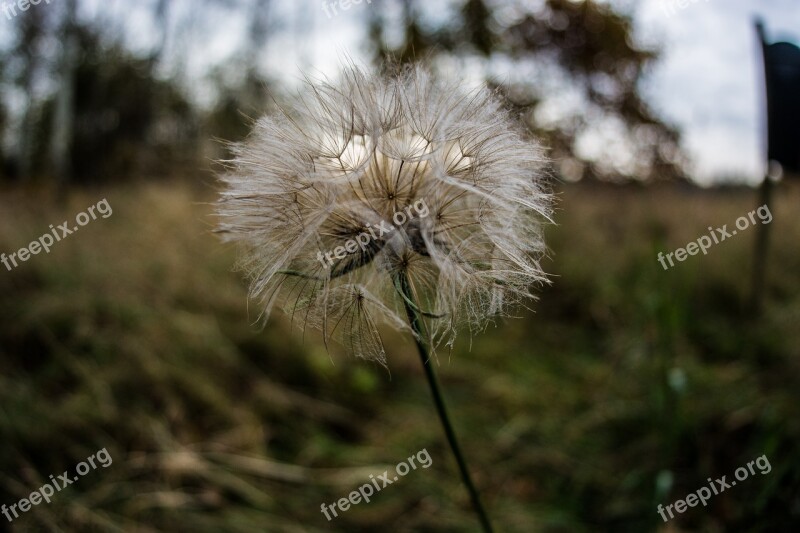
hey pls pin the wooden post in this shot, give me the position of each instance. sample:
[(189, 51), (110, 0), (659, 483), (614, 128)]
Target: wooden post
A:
[(760, 251), (765, 193), (765, 198)]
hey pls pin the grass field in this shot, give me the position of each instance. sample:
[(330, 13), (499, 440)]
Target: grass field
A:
[(627, 387)]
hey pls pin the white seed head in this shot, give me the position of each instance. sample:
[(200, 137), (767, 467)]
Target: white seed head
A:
[(314, 194)]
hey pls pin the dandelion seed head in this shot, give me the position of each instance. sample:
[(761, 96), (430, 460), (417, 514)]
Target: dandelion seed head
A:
[(430, 181)]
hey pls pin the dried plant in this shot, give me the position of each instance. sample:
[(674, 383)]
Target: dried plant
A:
[(383, 197), (341, 161)]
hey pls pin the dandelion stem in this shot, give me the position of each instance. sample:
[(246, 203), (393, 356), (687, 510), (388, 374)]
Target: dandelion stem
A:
[(415, 321)]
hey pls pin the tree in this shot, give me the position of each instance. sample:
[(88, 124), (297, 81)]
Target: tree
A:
[(29, 65), (64, 115), (588, 44), (128, 122)]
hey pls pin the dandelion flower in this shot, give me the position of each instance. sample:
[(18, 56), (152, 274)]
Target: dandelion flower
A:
[(361, 184), (379, 198)]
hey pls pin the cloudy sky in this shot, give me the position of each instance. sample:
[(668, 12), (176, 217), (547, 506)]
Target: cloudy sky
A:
[(708, 81)]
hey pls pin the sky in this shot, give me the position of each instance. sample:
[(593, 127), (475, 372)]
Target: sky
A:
[(708, 81), (710, 78)]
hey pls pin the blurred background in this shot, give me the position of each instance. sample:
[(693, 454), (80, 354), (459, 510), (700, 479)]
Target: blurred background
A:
[(626, 386)]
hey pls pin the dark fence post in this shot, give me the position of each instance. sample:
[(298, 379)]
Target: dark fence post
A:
[(782, 83)]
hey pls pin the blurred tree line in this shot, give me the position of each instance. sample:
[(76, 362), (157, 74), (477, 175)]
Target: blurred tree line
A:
[(80, 104)]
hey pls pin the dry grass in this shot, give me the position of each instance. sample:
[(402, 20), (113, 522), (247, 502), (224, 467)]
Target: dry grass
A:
[(134, 335)]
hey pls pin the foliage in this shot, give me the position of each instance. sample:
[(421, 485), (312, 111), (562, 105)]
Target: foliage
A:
[(590, 44)]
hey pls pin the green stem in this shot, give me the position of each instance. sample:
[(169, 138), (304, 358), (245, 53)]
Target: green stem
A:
[(416, 326)]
